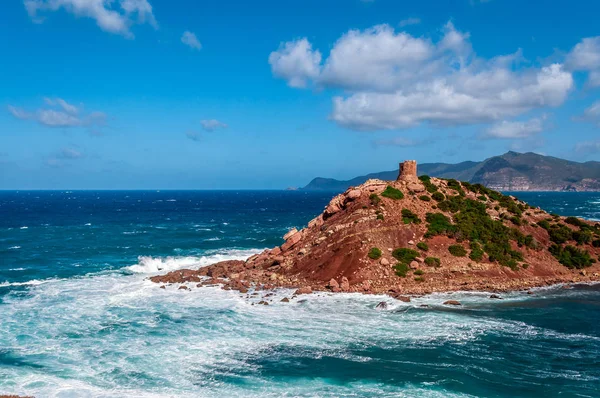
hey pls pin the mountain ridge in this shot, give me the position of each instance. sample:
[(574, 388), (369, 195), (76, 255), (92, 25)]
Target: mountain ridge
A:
[(511, 171)]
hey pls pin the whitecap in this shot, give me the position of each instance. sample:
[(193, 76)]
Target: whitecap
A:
[(24, 228), (17, 269), (14, 248), (149, 264)]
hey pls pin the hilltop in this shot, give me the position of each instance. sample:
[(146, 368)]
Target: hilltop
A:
[(416, 236), (509, 172)]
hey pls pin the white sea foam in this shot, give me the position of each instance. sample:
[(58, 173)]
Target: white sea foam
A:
[(34, 282), (25, 227), (148, 264), (14, 248), (17, 269)]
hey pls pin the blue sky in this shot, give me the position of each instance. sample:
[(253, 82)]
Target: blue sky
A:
[(156, 94)]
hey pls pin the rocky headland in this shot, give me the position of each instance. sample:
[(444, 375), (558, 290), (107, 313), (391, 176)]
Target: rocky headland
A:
[(414, 236)]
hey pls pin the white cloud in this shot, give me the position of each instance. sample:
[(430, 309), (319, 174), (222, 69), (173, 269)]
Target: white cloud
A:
[(588, 147), (111, 16), (70, 153), (212, 124), (296, 62), (189, 39), (585, 56), (59, 113), (516, 129), (591, 114), (192, 135), (395, 80), (409, 21)]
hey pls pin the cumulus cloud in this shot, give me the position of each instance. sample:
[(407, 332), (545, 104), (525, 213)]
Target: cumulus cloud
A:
[(409, 21), (189, 39), (296, 62), (585, 56), (111, 16), (393, 80), (59, 113), (212, 125), (515, 129)]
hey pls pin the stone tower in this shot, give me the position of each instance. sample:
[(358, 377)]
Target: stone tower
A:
[(408, 171)]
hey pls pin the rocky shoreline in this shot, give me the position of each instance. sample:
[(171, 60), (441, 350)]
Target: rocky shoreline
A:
[(414, 237)]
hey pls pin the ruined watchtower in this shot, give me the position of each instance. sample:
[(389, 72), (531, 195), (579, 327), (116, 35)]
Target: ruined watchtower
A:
[(408, 171)]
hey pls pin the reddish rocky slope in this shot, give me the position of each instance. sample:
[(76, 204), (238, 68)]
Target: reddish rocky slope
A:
[(416, 236)]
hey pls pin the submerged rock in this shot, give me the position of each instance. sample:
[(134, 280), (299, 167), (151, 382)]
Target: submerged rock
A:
[(381, 306), (452, 302)]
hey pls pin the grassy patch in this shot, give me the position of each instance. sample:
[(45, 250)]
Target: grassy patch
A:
[(401, 269), (429, 186), (438, 196), (423, 246), (392, 193), (375, 199), (425, 198), (476, 252), (419, 272)]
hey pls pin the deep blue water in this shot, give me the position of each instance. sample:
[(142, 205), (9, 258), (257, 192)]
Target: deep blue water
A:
[(78, 317)]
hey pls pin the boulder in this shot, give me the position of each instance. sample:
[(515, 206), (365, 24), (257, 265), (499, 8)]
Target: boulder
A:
[(291, 232), (345, 285), (495, 296), (333, 284), (384, 261), (354, 194), (411, 242), (263, 303), (183, 287), (381, 306), (452, 302), (416, 187), (414, 265), (276, 251), (304, 290), (285, 300), (316, 222), (420, 259)]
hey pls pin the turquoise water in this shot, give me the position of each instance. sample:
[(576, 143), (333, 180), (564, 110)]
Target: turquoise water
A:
[(79, 319)]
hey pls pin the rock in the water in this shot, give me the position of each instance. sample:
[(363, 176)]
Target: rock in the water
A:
[(304, 290), (285, 300), (163, 287), (404, 299), (184, 287), (333, 284), (495, 296), (345, 285), (452, 302), (263, 303), (381, 306)]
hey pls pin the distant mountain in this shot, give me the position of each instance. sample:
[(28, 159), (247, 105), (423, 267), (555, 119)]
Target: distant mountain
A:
[(509, 172)]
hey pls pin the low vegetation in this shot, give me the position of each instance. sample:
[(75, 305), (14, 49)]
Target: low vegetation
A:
[(392, 193), (409, 217), (457, 250), (429, 186), (433, 261), (571, 257), (423, 246), (375, 253), (375, 199), (438, 196), (425, 198), (401, 269)]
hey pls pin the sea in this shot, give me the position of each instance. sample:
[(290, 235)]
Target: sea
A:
[(79, 318)]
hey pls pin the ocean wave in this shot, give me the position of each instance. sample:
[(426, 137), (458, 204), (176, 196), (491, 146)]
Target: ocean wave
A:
[(14, 248), (34, 282), (149, 264)]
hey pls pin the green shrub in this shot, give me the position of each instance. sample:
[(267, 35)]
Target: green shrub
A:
[(560, 233), (457, 250), (596, 243), (476, 252), (375, 253), (375, 199), (439, 224), (544, 224), (525, 266), (582, 237), (409, 217), (419, 272), (515, 220), (392, 193), (483, 198), (455, 185), (425, 198), (419, 279), (426, 180), (401, 269), (380, 216), (438, 196), (433, 261), (405, 255), (423, 246), (571, 257)]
